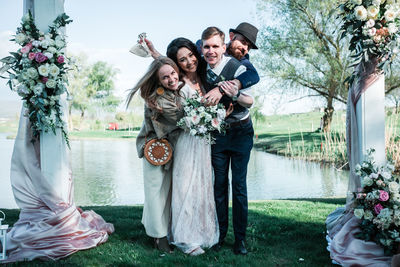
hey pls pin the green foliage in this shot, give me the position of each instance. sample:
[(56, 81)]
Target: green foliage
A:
[(279, 233)]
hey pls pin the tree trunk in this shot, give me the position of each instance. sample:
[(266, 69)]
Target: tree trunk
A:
[(328, 115)]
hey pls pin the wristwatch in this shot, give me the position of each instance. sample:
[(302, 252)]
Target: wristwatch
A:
[(235, 97)]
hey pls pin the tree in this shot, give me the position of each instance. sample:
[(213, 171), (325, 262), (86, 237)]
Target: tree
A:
[(301, 50)]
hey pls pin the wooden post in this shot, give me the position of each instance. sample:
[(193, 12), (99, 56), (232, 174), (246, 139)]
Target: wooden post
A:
[(370, 110), (53, 150)]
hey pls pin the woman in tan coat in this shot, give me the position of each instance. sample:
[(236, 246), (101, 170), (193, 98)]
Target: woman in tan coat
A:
[(159, 87)]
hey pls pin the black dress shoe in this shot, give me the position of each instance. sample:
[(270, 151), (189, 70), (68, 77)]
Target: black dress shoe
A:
[(239, 248), (217, 247)]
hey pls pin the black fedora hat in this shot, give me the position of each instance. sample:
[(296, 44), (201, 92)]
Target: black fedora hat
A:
[(248, 31)]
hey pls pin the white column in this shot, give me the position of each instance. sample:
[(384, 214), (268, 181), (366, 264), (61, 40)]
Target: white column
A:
[(53, 150), (370, 110)]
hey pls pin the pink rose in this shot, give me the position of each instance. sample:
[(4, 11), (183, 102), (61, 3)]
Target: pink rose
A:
[(60, 59), (378, 207), (40, 57), (383, 195), (25, 49), (31, 55), (44, 79)]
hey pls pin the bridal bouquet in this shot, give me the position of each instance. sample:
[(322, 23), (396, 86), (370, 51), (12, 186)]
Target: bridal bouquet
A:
[(378, 204), (374, 29), (37, 72), (201, 120)]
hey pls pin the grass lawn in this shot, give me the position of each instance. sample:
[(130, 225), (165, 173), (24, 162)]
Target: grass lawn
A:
[(280, 233), (101, 134)]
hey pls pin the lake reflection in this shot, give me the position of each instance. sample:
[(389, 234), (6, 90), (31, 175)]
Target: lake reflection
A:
[(108, 172)]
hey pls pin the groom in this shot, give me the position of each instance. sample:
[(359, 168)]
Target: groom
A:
[(234, 147)]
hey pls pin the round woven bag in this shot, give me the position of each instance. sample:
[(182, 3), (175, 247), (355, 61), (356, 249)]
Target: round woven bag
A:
[(158, 151)]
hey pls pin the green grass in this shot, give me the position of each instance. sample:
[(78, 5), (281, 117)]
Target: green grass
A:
[(279, 233), (102, 134)]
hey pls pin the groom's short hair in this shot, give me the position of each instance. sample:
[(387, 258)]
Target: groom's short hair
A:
[(210, 32)]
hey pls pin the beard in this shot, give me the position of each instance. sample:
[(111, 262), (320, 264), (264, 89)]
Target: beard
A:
[(236, 53)]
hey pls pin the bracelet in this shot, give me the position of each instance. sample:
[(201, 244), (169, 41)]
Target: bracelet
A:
[(221, 90)]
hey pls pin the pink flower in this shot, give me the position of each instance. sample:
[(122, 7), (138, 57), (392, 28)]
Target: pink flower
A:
[(215, 123), (378, 207), (383, 195), (40, 57), (26, 49), (44, 79), (60, 59), (31, 55)]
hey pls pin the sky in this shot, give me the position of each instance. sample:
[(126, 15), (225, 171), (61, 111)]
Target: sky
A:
[(105, 30)]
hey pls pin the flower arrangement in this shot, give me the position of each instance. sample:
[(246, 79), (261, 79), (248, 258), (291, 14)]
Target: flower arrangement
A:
[(374, 29), (37, 72), (377, 204), (201, 120)]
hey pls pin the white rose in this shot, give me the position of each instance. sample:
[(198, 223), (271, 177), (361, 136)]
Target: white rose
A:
[(356, 2), (32, 73), (35, 43), (373, 11), (193, 112), (370, 23), (22, 89), (367, 181), (376, 2), (201, 109), (374, 175), (186, 109), (44, 43), (59, 44), (51, 83), (359, 213), (394, 187), (361, 13), (195, 119), (20, 38), (52, 50), (38, 88), (54, 70), (221, 113), (44, 70), (208, 117), (193, 132), (390, 15), (372, 32), (202, 129), (48, 55), (358, 167), (386, 175), (392, 28)]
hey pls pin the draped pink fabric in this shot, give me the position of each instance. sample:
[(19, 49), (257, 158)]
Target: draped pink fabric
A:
[(342, 225), (49, 227)]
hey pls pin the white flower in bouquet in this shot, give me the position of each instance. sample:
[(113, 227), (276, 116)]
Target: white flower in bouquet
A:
[(394, 187), (45, 43), (201, 109), (48, 55), (202, 129), (356, 2), (370, 23), (390, 2), (51, 83), (386, 175), (359, 213), (35, 43), (193, 112), (221, 113), (392, 28), (371, 32), (376, 2), (20, 38), (193, 132), (195, 119), (188, 121), (364, 165), (38, 88), (373, 11), (44, 70), (358, 167), (367, 181), (396, 197), (216, 123), (368, 215), (52, 50), (59, 43), (22, 89), (390, 15), (361, 13), (32, 73), (374, 175), (186, 109), (54, 70), (390, 166), (208, 117)]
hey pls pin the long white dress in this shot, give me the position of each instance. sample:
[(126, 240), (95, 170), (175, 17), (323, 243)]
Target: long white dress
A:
[(194, 218)]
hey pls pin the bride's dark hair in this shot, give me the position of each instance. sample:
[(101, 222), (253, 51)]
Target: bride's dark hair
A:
[(178, 43), (149, 83)]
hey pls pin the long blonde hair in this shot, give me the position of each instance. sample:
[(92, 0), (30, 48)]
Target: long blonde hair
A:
[(149, 83)]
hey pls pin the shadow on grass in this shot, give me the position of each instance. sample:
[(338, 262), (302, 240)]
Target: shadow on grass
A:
[(279, 234)]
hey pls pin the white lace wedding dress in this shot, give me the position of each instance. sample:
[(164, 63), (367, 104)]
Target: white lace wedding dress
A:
[(194, 219)]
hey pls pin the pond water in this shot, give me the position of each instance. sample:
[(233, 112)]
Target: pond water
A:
[(108, 172)]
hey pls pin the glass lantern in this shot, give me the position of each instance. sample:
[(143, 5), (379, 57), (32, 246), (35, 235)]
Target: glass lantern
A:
[(3, 232)]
